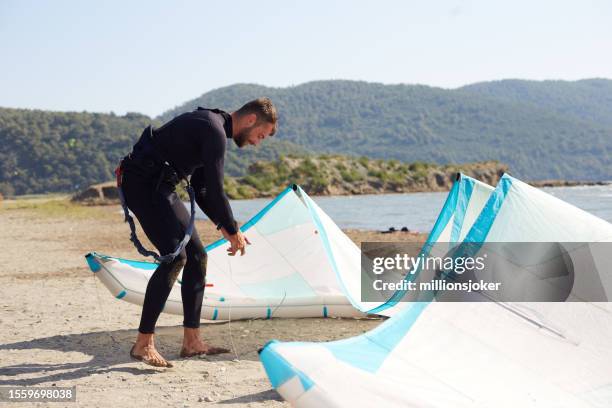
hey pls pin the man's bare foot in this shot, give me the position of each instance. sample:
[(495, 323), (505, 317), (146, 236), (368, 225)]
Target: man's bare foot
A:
[(144, 350), (193, 345)]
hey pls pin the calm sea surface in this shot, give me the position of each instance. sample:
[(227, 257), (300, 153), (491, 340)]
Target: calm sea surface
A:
[(417, 211)]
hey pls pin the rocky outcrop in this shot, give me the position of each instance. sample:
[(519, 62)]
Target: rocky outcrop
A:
[(341, 175), (98, 194), (442, 179), (332, 175)]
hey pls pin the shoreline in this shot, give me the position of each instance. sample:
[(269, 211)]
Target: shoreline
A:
[(103, 194), (567, 183)]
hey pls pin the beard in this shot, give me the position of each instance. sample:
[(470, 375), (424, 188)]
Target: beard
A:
[(243, 136)]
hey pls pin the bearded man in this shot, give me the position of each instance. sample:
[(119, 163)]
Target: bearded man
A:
[(190, 147)]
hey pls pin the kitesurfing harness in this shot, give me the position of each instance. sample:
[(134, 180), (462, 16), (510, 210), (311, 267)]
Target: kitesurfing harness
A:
[(168, 173)]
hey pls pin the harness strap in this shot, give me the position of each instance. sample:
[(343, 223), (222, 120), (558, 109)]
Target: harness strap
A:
[(128, 218)]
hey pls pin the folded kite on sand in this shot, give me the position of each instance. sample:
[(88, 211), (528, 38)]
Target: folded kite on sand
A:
[(472, 354), (291, 269)]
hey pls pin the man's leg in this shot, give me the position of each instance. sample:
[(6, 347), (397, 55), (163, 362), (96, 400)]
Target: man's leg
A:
[(156, 295), (158, 218), (193, 282), (158, 290), (192, 292)]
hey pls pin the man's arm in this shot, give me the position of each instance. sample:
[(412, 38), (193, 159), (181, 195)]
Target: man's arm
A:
[(210, 195), (207, 183), (237, 241)]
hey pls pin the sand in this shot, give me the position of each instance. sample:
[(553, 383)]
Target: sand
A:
[(61, 327)]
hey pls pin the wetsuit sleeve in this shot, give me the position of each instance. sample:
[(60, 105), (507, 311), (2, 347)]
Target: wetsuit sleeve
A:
[(207, 182)]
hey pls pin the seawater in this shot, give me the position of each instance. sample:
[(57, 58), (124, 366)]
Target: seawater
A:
[(416, 211)]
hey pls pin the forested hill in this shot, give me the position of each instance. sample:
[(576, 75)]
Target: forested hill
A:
[(541, 129), (66, 151), (588, 99), (53, 151)]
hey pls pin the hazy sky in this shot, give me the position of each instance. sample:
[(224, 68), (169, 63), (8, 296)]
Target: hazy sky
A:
[(149, 56)]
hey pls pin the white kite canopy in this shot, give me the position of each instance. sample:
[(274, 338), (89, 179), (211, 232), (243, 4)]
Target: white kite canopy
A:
[(290, 270), (463, 203), (473, 354)]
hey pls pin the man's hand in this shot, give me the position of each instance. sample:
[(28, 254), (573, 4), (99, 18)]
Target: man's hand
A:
[(237, 241)]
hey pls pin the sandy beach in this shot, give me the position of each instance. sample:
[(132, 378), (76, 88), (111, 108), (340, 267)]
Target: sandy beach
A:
[(61, 327)]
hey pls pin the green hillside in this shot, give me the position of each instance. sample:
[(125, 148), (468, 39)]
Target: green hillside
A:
[(559, 130), (66, 151), (542, 130), (588, 99), (54, 151)]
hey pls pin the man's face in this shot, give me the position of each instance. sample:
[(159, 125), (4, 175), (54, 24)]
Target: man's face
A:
[(254, 134)]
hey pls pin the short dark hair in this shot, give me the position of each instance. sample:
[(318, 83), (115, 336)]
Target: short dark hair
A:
[(263, 108)]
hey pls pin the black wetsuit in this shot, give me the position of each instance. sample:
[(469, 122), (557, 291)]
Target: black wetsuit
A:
[(192, 144)]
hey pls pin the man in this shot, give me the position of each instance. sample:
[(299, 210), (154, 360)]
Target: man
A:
[(192, 144)]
